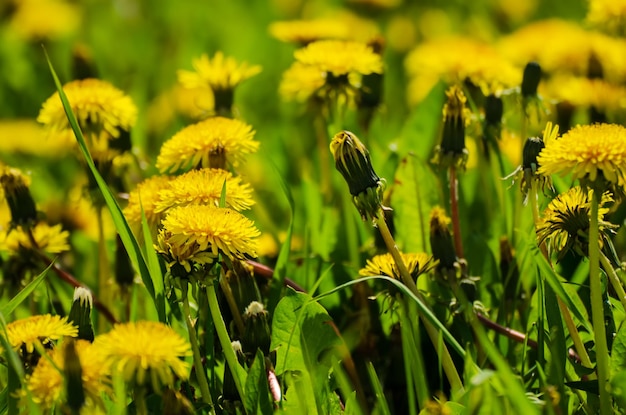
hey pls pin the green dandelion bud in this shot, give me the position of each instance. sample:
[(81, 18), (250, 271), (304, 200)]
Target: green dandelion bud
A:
[(352, 159), (532, 148), (80, 313), (509, 270), (256, 333), (124, 273), (452, 150), (494, 109), (73, 372), (441, 242), (230, 396), (18, 197), (530, 80)]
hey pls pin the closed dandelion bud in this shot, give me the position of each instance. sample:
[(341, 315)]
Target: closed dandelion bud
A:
[(19, 199), (124, 273), (83, 66), (80, 313), (73, 372), (352, 159), (230, 394), (530, 80), (532, 148), (243, 284), (452, 150), (175, 403), (256, 333), (494, 109), (224, 101), (441, 242)]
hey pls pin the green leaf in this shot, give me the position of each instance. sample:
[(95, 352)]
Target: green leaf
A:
[(130, 243), (618, 353), (24, 293), (381, 401), (257, 400)]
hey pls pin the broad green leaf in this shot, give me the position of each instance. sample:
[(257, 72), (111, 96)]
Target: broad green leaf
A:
[(257, 400), (130, 243), (24, 293)]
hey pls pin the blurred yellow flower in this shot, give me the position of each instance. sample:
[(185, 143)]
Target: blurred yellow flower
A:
[(199, 233), (609, 15), (417, 264), (581, 91), (340, 58), (589, 152), (204, 187), (47, 384), (145, 352), (39, 329), (300, 82), (26, 136), (218, 73), (44, 19), (304, 32), (145, 196), (215, 142), (192, 103), (50, 239)]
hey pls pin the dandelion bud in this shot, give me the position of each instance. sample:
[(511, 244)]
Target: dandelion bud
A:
[(224, 99), (441, 242), (124, 273), (80, 313), (73, 372), (17, 194), (256, 333), (352, 159), (532, 148), (452, 149), (230, 396), (494, 109), (530, 80), (83, 66)]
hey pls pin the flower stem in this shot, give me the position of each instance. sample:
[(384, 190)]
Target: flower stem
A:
[(454, 208), (203, 383), (103, 266), (444, 354), (597, 307), (222, 334), (232, 304), (615, 281)]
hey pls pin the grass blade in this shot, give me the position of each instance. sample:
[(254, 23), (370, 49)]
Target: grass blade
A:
[(22, 295)]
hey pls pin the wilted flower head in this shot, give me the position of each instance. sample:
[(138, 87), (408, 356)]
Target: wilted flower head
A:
[(215, 142), (14, 186), (204, 187), (441, 242), (145, 352), (104, 113), (596, 154), (452, 150), (199, 233), (352, 160), (564, 225), (416, 263)]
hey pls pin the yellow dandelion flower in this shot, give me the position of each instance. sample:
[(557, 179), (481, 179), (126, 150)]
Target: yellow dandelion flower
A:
[(588, 152), (565, 222), (26, 136), (27, 332), (455, 59), (608, 14), (44, 19), (204, 187), (219, 73), (198, 233), (581, 91), (306, 31), (417, 264), (210, 143), (103, 112), (145, 196), (300, 82), (145, 351), (192, 103), (50, 239), (46, 383), (340, 58)]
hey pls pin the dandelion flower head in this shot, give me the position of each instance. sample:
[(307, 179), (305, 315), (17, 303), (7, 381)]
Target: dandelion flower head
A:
[(198, 233), (145, 196), (46, 383), (565, 222), (38, 329), (214, 142), (300, 82), (417, 264), (26, 136), (44, 19), (50, 239), (339, 57), (219, 73), (610, 14), (145, 351), (204, 187), (588, 152)]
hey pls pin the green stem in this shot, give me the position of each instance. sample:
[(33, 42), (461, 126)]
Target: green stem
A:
[(222, 335), (140, 400), (446, 360), (454, 208), (597, 307), (103, 266), (203, 383), (615, 281), (232, 304)]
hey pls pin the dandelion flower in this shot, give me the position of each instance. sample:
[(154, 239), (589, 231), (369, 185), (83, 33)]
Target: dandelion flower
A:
[(304, 32), (609, 14), (26, 136), (50, 239), (44, 19), (204, 187), (218, 73), (417, 264), (589, 152), (210, 143), (339, 58), (300, 82), (103, 113), (145, 196), (145, 351), (46, 383), (565, 222), (27, 332), (198, 233)]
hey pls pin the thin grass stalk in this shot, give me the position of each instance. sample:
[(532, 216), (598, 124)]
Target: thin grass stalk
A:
[(597, 307), (615, 281), (444, 354), (203, 383), (454, 212)]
